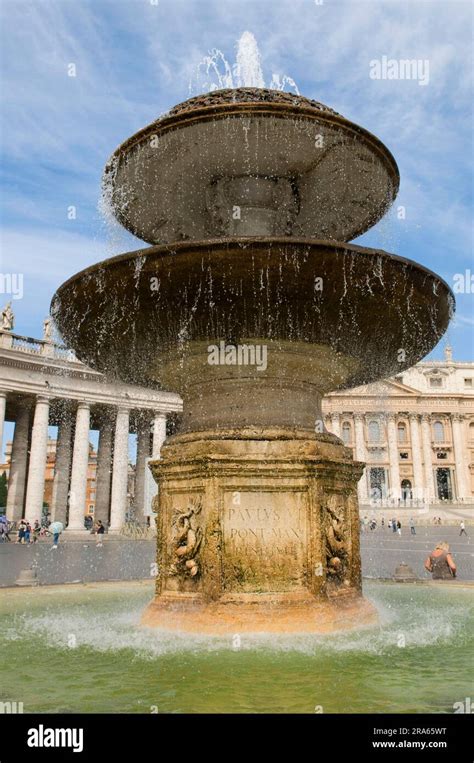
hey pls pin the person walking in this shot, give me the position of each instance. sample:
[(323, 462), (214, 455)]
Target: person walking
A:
[(399, 527), (394, 524), (100, 530), (21, 531), (440, 563), (412, 526), (27, 536), (36, 531), (4, 529), (462, 528), (55, 529), (382, 523)]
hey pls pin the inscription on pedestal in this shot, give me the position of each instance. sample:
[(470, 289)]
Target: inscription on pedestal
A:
[(265, 540)]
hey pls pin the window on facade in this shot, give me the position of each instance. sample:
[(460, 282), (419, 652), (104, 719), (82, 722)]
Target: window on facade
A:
[(438, 429), (378, 482), (471, 432), (444, 487), (468, 382), (374, 431), (346, 432), (403, 455), (407, 493), (402, 433), (436, 382), (442, 454)]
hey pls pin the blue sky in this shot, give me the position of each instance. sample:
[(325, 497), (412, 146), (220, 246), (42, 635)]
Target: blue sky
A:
[(135, 59)]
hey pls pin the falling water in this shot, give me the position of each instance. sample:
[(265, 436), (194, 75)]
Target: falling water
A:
[(114, 232), (214, 72)]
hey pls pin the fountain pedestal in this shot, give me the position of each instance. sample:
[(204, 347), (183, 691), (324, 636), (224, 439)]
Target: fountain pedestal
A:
[(257, 530)]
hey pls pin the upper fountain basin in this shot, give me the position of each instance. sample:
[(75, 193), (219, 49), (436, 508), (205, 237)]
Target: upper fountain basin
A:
[(250, 162)]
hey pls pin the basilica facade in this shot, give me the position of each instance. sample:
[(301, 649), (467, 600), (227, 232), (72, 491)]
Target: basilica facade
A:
[(414, 432)]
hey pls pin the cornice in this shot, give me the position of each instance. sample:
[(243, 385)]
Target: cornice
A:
[(14, 359)]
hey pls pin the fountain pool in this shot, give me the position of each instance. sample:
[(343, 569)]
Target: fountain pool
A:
[(116, 666)]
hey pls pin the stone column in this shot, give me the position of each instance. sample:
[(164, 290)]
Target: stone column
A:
[(62, 471), (143, 452), (458, 444), (3, 405), (336, 424), (80, 463), (18, 464), (37, 465), (104, 473), (418, 487), (159, 434), (120, 471), (393, 457), (427, 457), (361, 455)]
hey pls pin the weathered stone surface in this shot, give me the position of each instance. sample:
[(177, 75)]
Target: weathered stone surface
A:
[(163, 300), (187, 162), (248, 95), (249, 522), (263, 613), (264, 540)]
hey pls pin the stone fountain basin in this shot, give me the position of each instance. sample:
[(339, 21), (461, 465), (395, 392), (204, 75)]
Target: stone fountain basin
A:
[(365, 313), (291, 165)]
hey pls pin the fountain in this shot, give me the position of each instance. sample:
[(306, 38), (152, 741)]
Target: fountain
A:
[(251, 303)]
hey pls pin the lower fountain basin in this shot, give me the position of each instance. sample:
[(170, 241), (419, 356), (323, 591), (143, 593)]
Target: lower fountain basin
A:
[(378, 313), (141, 669)]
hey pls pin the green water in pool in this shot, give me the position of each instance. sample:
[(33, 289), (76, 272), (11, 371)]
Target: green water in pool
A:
[(81, 649)]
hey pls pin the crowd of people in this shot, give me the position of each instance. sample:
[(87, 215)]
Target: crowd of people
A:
[(28, 533), (393, 524)]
